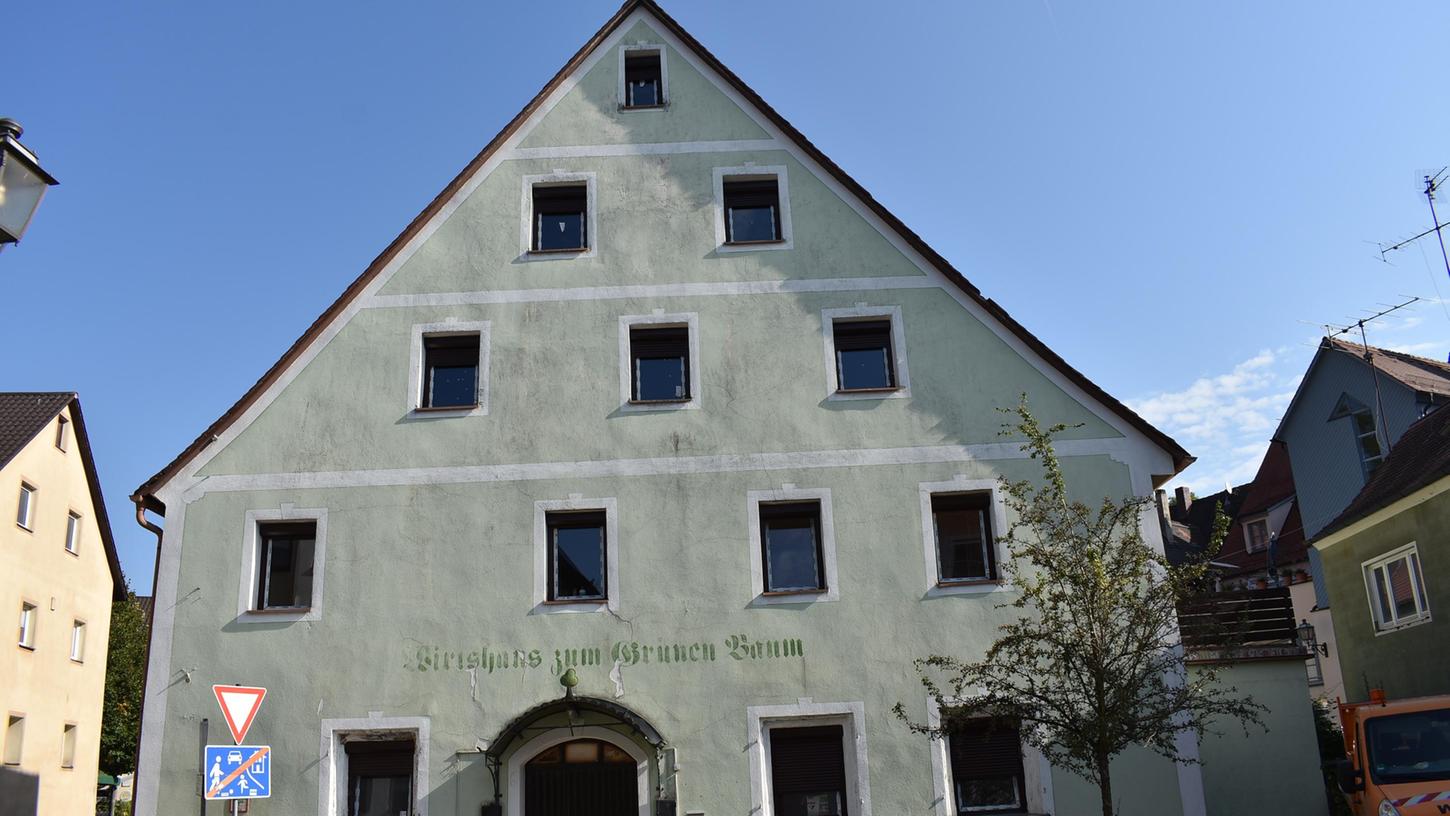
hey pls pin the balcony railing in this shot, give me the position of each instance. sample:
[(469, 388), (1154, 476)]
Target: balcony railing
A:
[(1243, 625)]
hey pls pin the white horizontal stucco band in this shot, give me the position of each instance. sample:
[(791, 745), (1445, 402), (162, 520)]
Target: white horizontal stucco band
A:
[(658, 466), (762, 287), (648, 149)]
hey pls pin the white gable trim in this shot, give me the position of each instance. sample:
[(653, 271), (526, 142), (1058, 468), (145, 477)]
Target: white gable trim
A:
[(1151, 457)]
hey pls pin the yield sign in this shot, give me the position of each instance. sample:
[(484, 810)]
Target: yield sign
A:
[(239, 706)]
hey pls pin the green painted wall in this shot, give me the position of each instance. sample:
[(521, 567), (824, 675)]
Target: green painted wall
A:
[(1409, 662), (417, 577)]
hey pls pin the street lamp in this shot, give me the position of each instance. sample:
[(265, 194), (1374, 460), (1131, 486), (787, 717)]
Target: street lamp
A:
[(23, 183)]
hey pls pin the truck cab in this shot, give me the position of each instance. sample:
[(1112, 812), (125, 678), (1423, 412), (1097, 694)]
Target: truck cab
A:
[(1397, 756)]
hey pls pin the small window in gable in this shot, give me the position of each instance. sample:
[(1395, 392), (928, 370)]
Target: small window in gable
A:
[(62, 433), (965, 549), (285, 565), (73, 533), (643, 79), (752, 210), (1257, 532), (660, 363), (25, 510), (450, 370), (561, 217), (864, 355)]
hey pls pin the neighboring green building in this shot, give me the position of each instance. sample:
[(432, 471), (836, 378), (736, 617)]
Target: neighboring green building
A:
[(1386, 561), (656, 399)]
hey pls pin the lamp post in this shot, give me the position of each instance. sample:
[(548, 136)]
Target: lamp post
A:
[(23, 183)]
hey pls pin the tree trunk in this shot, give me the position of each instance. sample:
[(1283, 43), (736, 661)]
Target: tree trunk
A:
[(1105, 783)]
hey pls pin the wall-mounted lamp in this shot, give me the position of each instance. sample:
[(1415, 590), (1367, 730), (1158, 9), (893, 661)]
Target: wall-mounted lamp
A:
[(23, 183), (1307, 638)]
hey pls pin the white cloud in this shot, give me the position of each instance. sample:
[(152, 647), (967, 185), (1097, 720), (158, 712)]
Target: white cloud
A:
[(1225, 419)]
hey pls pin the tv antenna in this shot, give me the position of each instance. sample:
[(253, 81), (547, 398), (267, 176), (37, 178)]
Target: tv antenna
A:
[(1433, 182)]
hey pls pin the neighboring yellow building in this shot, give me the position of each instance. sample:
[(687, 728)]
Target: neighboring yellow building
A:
[(58, 576)]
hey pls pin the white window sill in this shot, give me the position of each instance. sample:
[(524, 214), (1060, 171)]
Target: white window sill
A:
[(1408, 624), (279, 615), (447, 413), (570, 607), (976, 588)]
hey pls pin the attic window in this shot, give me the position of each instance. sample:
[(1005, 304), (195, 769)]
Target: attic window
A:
[(1258, 534), (752, 211), (62, 433), (643, 79), (450, 377), (561, 218)]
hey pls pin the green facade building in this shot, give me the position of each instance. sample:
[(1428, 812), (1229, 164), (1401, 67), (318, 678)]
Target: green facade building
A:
[(653, 398)]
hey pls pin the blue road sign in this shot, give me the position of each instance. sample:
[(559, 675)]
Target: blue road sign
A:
[(238, 772)]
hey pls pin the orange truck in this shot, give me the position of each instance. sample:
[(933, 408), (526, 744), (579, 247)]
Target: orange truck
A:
[(1397, 756)]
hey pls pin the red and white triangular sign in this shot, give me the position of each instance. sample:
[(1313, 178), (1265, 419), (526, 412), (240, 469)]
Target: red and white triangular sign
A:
[(239, 706)]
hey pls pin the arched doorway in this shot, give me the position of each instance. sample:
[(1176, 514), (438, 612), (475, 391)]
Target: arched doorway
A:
[(582, 777)]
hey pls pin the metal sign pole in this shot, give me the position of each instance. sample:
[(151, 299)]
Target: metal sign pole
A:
[(201, 768)]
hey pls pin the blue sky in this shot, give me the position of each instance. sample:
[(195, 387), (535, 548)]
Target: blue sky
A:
[(1171, 195)]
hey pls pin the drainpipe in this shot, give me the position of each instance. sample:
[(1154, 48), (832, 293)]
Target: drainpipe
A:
[(150, 615)]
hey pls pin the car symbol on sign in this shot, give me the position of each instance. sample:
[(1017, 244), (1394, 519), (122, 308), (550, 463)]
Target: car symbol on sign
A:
[(234, 756)]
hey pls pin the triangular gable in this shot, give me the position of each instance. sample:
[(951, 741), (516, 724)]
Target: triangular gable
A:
[(993, 315)]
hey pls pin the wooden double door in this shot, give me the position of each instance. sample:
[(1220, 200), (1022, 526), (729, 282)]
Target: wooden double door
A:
[(581, 778)]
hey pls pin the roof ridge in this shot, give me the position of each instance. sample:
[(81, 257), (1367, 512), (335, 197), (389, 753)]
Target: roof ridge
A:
[(1442, 364)]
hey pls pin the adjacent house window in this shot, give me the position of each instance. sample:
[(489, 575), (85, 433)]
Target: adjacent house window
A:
[(14, 738), (986, 766), (1397, 589), (72, 533), (62, 433), (27, 625), (25, 512), (78, 641), (285, 564), (643, 79), (864, 355), (808, 770), (659, 363), (790, 536), (1370, 454), (964, 544), (561, 222), (68, 746), (450, 370), (1258, 534), (577, 565), (380, 776), (752, 210)]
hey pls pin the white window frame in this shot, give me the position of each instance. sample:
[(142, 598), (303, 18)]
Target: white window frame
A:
[(806, 713), (514, 772), (591, 216), (1036, 772), (73, 532), (78, 641), (27, 497), (417, 368), (1367, 569), (863, 312), (791, 493), (1249, 539), (29, 622), (687, 320), (62, 433), (664, 78), (332, 759), (753, 172), (576, 503), (69, 736), (961, 484), (250, 566)]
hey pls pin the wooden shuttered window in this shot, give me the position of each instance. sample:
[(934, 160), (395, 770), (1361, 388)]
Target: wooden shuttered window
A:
[(379, 776), (986, 762), (659, 363), (752, 211), (864, 355), (808, 771)]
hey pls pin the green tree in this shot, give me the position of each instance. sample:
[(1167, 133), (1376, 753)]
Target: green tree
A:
[(1093, 662), (125, 673)]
